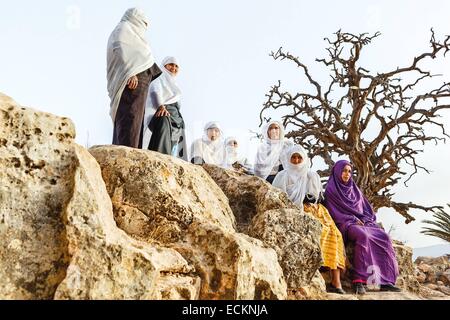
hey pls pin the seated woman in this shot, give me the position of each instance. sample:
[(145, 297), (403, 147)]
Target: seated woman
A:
[(232, 158), (374, 257), (304, 188), (163, 123), (209, 149), (267, 162)]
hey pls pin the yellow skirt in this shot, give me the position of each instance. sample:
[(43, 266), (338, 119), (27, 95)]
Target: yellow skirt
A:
[(331, 242)]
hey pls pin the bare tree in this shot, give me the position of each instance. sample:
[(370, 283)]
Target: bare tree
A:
[(341, 117)]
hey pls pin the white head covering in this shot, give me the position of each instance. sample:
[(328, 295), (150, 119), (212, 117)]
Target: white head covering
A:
[(269, 152), (297, 180), (231, 154), (212, 152), (162, 91), (128, 54)]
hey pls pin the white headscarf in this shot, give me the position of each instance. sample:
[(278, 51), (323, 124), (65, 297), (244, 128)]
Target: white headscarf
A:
[(297, 180), (269, 152), (232, 155), (164, 90), (212, 152), (128, 54)]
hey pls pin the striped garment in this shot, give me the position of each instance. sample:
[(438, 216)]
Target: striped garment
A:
[(331, 242)]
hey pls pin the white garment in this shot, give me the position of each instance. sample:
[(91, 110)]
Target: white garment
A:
[(297, 180), (232, 156), (162, 91), (212, 152), (269, 152), (128, 54)]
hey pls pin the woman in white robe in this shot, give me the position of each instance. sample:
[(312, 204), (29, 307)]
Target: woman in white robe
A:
[(304, 188), (232, 158), (267, 162), (130, 70), (164, 128), (210, 148)]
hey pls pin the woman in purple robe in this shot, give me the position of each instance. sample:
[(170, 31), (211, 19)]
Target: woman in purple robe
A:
[(374, 259)]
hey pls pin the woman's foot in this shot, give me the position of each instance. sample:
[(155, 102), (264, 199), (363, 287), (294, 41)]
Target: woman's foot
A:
[(359, 288), (333, 289), (389, 287)]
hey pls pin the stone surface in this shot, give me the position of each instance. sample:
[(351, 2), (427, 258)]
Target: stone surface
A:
[(248, 195), (164, 200), (59, 238), (406, 279), (295, 236)]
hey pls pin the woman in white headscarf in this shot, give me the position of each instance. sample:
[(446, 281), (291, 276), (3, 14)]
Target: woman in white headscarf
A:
[(304, 188), (267, 162), (130, 70), (232, 158), (209, 149), (163, 123)]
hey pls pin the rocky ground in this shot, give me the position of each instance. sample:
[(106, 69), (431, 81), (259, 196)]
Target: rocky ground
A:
[(119, 223)]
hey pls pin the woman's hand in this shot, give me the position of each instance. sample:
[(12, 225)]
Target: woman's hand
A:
[(162, 112), (133, 83)]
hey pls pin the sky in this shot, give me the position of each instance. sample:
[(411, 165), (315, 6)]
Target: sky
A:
[(53, 58)]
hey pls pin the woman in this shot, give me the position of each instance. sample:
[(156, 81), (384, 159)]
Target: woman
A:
[(304, 188), (232, 158), (209, 149), (374, 257), (130, 70), (267, 163), (164, 125)]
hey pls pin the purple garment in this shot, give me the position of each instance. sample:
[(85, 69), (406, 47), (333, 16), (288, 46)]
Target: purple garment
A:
[(374, 257)]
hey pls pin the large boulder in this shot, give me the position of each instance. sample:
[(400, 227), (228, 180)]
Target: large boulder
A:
[(164, 200), (59, 238), (296, 239), (248, 195), (266, 213)]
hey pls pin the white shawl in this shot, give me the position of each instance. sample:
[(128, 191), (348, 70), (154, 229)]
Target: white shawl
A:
[(297, 180), (128, 54), (164, 90), (212, 152), (269, 152), (232, 155)]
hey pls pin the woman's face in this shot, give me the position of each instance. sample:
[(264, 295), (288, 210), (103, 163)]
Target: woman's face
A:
[(172, 68), (296, 158), (213, 134), (232, 143), (274, 132), (346, 174)]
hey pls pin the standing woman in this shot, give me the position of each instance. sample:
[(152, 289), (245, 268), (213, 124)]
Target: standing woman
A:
[(267, 163), (210, 149), (164, 126), (374, 256), (130, 69), (304, 188)]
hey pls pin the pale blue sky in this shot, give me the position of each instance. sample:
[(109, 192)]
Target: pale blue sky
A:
[(51, 62)]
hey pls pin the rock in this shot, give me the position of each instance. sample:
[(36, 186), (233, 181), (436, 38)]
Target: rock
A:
[(105, 262), (432, 286), (444, 289), (445, 277), (315, 290), (425, 268), (428, 293), (248, 195), (164, 200), (37, 165), (59, 239), (421, 277), (296, 239), (406, 279)]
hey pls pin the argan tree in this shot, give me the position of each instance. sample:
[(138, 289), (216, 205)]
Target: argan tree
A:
[(379, 120)]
